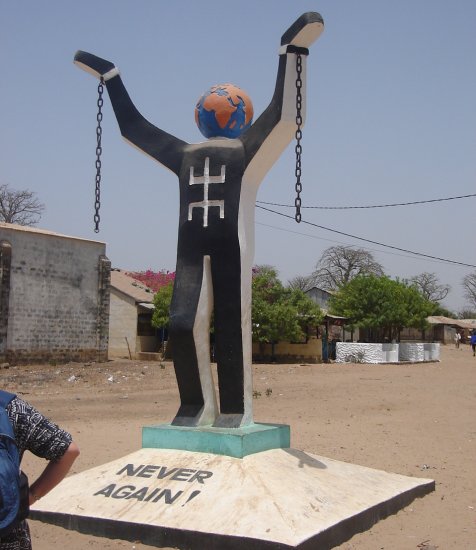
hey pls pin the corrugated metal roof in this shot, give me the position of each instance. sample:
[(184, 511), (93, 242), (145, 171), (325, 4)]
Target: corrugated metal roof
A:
[(462, 323), (469, 323), (126, 284)]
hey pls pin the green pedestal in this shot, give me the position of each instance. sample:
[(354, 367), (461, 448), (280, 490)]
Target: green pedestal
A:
[(235, 442)]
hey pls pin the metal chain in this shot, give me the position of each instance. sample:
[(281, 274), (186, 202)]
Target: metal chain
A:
[(298, 147), (97, 202)]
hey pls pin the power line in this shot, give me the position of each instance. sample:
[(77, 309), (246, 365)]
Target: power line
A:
[(368, 240), (346, 243), (369, 206)]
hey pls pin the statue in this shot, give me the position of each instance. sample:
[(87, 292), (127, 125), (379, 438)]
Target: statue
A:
[(218, 181)]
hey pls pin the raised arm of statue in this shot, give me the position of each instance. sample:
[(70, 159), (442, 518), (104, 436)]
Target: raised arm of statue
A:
[(163, 147), (274, 129)]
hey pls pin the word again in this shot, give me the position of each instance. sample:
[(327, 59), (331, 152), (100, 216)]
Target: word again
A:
[(142, 494)]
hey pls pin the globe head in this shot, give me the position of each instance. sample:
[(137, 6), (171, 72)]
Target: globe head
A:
[(224, 111)]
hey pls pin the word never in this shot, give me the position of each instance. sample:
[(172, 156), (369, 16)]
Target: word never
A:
[(148, 494), (175, 474)]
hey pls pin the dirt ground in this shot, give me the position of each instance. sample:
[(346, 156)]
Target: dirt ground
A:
[(416, 420)]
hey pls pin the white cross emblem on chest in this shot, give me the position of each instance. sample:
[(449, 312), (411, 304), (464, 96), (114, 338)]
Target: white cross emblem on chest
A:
[(206, 180)]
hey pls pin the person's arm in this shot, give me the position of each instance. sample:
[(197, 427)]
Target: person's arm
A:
[(275, 128), (163, 147), (54, 472)]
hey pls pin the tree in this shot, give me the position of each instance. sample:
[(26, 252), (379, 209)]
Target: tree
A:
[(265, 270), (469, 285), (279, 313), (381, 303), (443, 311), (340, 264), (467, 314), (154, 279), (429, 286), (162, 299), (21, 207), (300, 282)]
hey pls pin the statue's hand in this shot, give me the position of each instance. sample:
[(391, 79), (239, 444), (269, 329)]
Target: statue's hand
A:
[(94, 65), (304, 31)]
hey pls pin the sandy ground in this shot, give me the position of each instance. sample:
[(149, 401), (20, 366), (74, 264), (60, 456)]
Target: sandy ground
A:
[(416, 420)]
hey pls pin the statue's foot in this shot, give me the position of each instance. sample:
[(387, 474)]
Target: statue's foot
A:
[(228, 421), (188, 415)]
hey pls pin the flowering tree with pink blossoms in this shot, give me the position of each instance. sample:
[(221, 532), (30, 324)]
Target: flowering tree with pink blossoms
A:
[(154, 279)]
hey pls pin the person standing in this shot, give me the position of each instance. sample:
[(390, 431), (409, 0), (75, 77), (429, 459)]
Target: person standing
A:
[(35, 433), (472, 341), (457, 339)]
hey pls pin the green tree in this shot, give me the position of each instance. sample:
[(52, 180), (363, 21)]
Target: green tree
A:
[(279, 313), (443, 311), (162, 299), (383, 304)]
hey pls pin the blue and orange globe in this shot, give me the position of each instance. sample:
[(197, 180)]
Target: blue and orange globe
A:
[(224, 111)]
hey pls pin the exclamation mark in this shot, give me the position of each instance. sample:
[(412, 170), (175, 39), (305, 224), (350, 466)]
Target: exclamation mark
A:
[(192, 495)]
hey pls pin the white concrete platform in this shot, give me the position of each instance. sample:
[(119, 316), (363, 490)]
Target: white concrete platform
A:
[(276, 499)]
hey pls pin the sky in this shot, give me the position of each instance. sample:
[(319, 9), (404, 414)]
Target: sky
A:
[(391, 118)]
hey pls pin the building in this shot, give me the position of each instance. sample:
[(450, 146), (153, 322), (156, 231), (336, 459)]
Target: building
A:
[(54, 297), (334, 327), (131, 333), (319, 296), (443, 329)]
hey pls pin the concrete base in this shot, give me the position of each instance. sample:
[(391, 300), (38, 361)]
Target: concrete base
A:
[(237, 442), (276, 499)]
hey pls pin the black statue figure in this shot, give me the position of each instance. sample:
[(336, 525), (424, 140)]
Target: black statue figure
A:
[(218, 182)]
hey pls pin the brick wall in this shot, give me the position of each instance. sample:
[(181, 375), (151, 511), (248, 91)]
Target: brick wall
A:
[(58, 306), (5, 268)]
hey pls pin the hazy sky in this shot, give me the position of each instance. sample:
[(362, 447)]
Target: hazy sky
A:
[(391, 118)]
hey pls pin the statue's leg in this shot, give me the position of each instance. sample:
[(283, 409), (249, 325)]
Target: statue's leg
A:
[(189, 330), (229, 345)]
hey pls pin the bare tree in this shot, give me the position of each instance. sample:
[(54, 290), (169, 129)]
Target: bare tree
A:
[(467, 314), (21, 207), (429, 286), (300, 282), (340, 264), (469, 285)]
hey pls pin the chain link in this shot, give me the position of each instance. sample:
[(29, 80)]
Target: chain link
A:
[(97, 202), (298, 135)]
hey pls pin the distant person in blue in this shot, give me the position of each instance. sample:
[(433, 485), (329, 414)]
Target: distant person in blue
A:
[(472, 341), (218, 183)]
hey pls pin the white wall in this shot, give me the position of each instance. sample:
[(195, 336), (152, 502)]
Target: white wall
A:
[(347, 352), (122, 325)]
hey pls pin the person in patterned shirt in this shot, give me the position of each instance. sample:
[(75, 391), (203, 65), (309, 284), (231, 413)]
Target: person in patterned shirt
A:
[(37, 434)]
